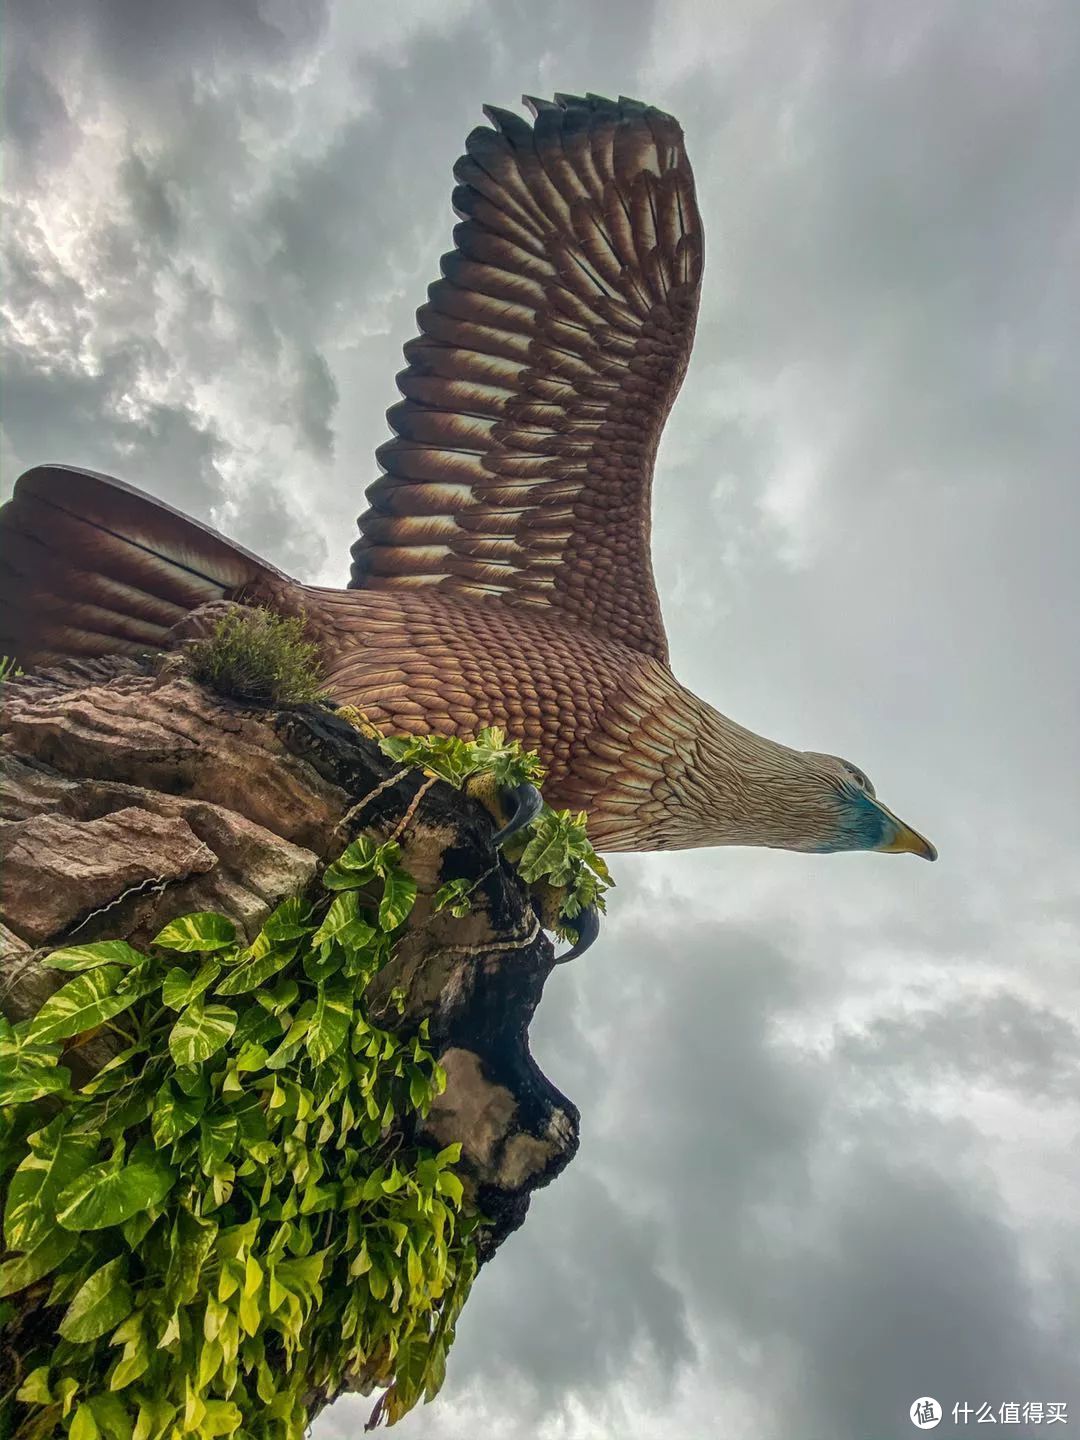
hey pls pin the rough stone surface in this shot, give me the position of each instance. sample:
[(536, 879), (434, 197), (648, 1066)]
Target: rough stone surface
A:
[(130, 795)]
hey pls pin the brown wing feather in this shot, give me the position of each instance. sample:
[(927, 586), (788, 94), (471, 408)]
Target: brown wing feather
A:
[(549, 357), (91, 566)]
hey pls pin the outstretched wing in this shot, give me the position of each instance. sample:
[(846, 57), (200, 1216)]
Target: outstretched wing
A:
[(548, 359), (91, 566)]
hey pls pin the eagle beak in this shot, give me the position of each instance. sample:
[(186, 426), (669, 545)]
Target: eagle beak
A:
[(904, 840)]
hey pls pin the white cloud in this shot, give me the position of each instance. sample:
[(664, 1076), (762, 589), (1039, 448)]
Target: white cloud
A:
[(829, 1108)]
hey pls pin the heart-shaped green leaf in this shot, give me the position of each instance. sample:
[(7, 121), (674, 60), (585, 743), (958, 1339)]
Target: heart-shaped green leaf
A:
[(105, 1195), (99, 1304)]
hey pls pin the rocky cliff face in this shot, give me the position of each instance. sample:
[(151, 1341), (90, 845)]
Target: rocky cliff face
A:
[(130, 795)]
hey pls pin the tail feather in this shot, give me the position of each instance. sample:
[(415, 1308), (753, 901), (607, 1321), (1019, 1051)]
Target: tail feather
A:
[(91, 566)]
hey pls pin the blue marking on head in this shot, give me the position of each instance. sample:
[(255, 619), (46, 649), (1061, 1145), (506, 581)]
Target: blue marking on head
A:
[(861, 824)]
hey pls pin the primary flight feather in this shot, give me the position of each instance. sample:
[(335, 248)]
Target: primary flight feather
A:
[(502, 575)]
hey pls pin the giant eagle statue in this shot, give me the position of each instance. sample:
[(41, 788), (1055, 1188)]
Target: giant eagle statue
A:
[(502, 575)]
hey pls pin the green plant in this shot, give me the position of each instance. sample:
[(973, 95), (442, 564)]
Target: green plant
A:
[(554, 849), (9, 669), (255, 654), (231, 1214)]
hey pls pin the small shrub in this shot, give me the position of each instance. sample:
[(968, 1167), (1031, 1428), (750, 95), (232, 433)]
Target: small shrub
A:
[(9, 669), (256, 655)]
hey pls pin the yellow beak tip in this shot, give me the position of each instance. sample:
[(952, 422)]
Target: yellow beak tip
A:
[(910, 842)]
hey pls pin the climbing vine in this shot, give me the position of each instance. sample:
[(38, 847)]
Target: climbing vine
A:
[(230, 1216), (553, 851)]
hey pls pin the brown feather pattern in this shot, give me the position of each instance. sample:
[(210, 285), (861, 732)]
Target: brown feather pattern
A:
[(502, 576), (550, 354)]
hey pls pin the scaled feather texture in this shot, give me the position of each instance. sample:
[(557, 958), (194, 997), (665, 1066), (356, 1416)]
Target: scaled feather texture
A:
[(503, 574)]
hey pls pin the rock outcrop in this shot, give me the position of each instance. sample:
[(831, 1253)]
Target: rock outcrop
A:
[(130, 795)]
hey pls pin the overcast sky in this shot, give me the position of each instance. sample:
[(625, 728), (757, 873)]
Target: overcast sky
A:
[(829, 1104)]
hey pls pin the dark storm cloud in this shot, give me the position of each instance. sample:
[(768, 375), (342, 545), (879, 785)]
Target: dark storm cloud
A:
[(997, 1040), (827, 1103), (751, 1222)]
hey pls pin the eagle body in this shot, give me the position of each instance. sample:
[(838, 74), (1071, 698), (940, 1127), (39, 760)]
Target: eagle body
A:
[(502, 575)]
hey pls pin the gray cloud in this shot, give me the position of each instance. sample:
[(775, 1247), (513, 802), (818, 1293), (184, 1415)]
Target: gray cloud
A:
[(829, 1104)]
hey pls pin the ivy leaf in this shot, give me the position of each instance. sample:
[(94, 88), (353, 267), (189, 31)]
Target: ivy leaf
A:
[(111, 1415), (192, 1241), (200, 1032), (547, 853), (399, 896), (55, 1159), (83, 1425), (204, 932), (174, 1114), (353, 867), (33, 1082), (16, 1274), (287, 922), (81, 1004), (419, 1088), (89, 957), (329, 1029), (104, 1195), (256, 970), (35, 1388), (344, 924), (181, 987), (451, 1187), (99, 1304), (217, 1137), (155, 1416), (455, 895)]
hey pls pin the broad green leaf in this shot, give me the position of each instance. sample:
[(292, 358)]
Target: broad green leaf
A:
[(33, 1082), (399, 896), (222, 1417), (154, 1419), (84, 1426), (35, 1388), (128, 1369), (200, 1032), (111, 1415), (353, 867), (89, 957), (329, 1029), (419, 1088), (192, 1080), (451, 1187), (320, 965), (251, 1057), (99, 1304), (46, 1255), (192, 1241), (547, 853), (103, 1195), (288, 922), (174, 1113), (255, 972), (217, 1137), (344, 923), (204, 932), (82, 1003), (138, 1227), (181, 987), (115, 1073), (54, 1160)]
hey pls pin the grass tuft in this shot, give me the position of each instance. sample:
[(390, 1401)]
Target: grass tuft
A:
[(256, 655)]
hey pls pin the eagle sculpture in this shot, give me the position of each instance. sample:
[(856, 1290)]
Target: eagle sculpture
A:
[(502, 575)]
